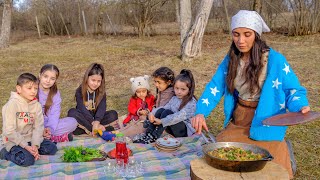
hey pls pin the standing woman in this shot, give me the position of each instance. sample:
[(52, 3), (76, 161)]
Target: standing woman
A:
[(257, 82), (90, 111)]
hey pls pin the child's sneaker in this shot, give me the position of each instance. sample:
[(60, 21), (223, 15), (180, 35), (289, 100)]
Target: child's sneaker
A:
[(3, 153), (70, 137), (62, 138), (146, 123)]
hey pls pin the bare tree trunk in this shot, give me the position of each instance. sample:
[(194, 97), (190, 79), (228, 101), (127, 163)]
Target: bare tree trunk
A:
[(185, 18), (191, 46), (224, 2), (84, 23), (6, 24), (177, 11), (38, 28), (79, 17), (315, 23), (65, 26), (112, 27), (52, 27)]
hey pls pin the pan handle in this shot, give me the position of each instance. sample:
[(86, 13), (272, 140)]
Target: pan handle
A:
[(205, 135), (268, 158), (205, 138), (212, 138)]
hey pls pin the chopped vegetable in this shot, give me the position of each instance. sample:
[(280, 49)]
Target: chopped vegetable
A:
[(235, 154), (80, 154)]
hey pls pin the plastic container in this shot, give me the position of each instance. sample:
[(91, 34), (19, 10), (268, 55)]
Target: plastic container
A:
[(121, 148)]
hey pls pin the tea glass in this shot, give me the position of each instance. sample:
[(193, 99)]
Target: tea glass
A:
[(121, 168)]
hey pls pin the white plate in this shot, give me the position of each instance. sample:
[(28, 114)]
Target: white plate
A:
[(168, 142)]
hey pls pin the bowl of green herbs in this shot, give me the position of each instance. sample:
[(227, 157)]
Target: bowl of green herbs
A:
[(82, 154)]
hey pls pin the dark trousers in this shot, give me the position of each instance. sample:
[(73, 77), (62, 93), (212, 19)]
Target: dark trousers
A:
[(109, 117), (177, 130), (22, 157)]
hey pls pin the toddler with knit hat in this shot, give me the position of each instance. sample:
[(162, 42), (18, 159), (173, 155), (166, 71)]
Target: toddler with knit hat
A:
[(141, 102)]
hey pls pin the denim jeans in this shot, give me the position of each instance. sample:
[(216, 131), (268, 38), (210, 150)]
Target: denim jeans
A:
[(22, 157), (177, 130)]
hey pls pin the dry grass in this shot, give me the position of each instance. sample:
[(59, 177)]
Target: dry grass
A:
[(126, 57)]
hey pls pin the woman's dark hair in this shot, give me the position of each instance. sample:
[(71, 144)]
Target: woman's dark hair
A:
[(254, 68), (186, 77), (53, 89), (93, 69)]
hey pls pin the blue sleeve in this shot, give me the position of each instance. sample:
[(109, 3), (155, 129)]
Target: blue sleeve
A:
[(296, 95), (54, 113), (214, 90)]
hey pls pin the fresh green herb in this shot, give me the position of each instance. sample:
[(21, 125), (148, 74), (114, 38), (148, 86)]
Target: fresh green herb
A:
[(80, 154)]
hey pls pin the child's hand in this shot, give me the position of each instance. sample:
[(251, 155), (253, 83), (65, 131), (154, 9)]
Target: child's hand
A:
[(101, 127), (144, 112), (95, 126), (157, 121), (36, 152), (46, 133), (151, 118)]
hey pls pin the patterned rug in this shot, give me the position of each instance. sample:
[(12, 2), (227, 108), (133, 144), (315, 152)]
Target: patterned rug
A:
[(158, 165)]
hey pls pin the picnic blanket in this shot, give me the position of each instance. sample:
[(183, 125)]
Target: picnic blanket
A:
[(158, 165)]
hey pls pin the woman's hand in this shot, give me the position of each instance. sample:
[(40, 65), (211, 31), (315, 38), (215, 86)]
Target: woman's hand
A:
[(198, 122), (157, 121), (46, 133), (305, 109)]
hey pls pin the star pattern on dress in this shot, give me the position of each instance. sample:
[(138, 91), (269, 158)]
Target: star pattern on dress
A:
[(283, 105), (293, 91), (276, 83), (295, 98), (214, 91), (205, 101), (286, 68)]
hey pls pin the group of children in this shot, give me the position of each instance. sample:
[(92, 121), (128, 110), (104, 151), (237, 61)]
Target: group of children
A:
[(31, 118)]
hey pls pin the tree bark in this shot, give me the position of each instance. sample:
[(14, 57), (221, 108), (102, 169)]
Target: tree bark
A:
[(79, 16), (84, 23), (52, 27), (177, 6), (191, 45), (38, 28), (6, 24), (257, 6), (224, 2), (111, 24), (185, 18), (65, 26)]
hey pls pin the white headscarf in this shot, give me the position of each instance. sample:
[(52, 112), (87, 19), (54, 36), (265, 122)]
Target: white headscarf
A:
[(249, 19)]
